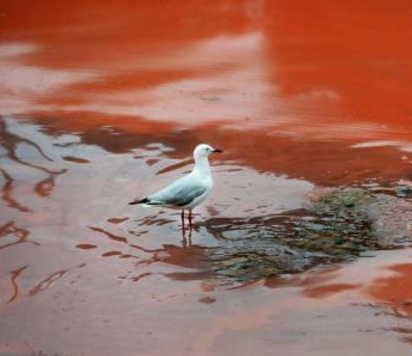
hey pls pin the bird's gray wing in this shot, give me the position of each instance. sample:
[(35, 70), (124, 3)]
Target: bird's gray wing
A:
[(180, 193)]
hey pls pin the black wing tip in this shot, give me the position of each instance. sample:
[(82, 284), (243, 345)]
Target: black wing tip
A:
[(135, 202)]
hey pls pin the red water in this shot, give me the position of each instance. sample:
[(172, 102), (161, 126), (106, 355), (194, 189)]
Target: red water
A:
[(101, 101)]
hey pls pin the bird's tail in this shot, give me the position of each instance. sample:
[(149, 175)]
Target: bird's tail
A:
[(142, 201)]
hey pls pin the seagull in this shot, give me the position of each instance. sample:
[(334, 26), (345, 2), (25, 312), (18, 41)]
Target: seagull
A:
[(189, 191)]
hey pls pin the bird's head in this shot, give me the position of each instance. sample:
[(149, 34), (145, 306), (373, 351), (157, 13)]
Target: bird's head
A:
[(205, 150)]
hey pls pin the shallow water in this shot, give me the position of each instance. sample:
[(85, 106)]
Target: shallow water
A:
[(103, 103)]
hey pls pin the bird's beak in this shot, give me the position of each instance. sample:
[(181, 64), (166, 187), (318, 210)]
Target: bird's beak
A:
[(217, 151)]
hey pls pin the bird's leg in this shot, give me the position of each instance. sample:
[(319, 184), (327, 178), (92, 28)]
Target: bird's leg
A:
[(190, 219)]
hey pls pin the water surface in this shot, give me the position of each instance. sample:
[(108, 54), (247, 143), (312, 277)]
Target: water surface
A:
[(104, 102)]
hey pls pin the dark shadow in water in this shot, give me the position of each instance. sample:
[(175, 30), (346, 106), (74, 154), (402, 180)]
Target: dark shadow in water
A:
[(194, 257), (19, 234), (10, 142), (7, 193), (109, 234), (236, 250), (247, 249), (47, 282), (243, 250), (124, 141), (14, 275), (339, 164)]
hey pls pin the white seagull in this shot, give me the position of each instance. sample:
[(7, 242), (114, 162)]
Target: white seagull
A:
[(189, 191)]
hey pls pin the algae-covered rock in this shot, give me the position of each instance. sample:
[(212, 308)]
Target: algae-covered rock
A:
[(381, 220), (341, 201)]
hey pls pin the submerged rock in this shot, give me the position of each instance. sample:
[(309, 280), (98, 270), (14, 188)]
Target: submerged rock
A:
[(244, 263), (339, 225)]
